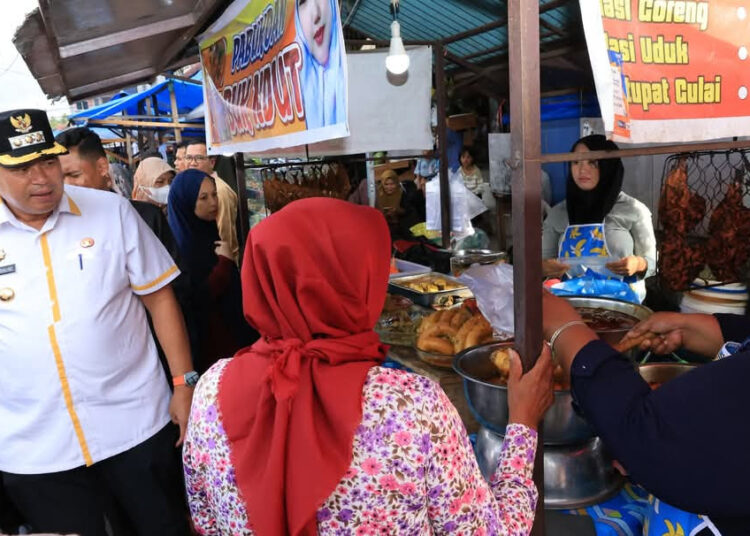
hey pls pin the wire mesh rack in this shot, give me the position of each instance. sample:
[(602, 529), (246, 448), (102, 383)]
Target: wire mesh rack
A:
[(703, 222)]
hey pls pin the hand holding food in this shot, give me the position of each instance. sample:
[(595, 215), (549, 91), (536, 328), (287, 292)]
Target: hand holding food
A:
[(530, 395)]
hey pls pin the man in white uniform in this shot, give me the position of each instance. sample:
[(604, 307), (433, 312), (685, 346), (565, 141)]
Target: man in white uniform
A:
[(85, 411)]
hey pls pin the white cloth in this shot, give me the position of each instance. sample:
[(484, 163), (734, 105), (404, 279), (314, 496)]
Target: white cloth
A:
[(81, 380)]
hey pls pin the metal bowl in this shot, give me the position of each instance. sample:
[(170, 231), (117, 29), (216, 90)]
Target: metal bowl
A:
[(658, 373), (489, 402), (575, 476), (611, 336)]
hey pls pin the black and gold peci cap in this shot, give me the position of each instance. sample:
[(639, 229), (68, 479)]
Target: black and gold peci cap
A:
[(26, 135)]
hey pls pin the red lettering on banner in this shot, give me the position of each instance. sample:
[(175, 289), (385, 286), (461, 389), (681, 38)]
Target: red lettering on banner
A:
[(292, 67), (274, 90)]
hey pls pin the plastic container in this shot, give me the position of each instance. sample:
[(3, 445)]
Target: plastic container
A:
[(705, 298)]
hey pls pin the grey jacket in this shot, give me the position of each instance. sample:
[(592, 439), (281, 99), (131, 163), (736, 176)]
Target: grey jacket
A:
[(628, 230)]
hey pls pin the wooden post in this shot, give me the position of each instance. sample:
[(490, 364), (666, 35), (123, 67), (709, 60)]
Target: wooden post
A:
[(175, 113), (525, 129), (239, 167), (129, 149), (442, 135)]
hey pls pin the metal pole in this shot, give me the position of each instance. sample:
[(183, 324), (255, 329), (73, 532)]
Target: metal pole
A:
[(239, 168), (442, 135), (525, 128), (175, 113)]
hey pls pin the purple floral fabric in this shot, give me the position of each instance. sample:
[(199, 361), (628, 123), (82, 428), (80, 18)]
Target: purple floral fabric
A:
[(413, 469)]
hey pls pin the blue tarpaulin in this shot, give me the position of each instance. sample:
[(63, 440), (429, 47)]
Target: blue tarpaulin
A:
[(189, 96), (566, 107)]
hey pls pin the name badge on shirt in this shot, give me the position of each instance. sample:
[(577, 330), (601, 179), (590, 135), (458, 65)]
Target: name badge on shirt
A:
[(11, 268)]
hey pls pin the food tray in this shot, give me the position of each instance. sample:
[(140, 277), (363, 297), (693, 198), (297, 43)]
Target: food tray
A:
[(406, 268), (426, 299)]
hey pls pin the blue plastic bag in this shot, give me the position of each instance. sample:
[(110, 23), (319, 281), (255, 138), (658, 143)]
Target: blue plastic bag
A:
[(594, 284)]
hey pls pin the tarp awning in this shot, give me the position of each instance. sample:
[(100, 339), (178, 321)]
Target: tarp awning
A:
[(188, 96)]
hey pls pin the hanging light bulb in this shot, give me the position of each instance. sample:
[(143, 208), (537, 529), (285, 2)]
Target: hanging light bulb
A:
[(397, 61)]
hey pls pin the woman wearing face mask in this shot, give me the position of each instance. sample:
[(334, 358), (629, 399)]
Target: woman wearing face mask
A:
[(220, 328), (597, 219), (152, 180), (322, 77)]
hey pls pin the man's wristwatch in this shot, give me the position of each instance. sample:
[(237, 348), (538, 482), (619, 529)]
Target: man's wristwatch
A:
[(189, 379)]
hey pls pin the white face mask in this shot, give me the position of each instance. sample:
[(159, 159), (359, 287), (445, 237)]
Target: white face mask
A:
[(157, 195)]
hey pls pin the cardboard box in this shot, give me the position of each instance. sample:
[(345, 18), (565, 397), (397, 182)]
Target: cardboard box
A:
[(462, 121)]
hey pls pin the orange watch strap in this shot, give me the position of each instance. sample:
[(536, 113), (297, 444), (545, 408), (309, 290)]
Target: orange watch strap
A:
[(178, 380)]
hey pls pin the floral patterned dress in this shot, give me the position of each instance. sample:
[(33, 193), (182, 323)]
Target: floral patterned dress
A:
[(413, 469)]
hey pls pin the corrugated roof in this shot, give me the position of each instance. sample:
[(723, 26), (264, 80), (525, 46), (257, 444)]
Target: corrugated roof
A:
[(434, 20)]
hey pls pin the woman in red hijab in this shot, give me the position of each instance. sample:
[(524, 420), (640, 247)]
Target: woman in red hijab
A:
[(305, 433)]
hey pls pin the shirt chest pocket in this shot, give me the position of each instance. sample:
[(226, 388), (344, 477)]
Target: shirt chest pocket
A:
[(85, 272)]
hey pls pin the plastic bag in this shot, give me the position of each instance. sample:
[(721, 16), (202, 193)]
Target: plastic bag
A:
[(464, 206), (593, 284), (492, 285)]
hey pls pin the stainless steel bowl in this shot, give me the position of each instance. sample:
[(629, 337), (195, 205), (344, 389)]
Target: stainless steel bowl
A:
[(574, 476), (489, 402), (663, 372), (612, 336)]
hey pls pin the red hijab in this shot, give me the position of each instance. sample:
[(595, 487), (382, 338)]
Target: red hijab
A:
[(314, 280)]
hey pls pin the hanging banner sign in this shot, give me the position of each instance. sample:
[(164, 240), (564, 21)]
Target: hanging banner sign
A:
[(682, 65), (274, 75)]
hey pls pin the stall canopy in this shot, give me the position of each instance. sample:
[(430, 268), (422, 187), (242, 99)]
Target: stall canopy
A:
[(188, 95), (80, 48)]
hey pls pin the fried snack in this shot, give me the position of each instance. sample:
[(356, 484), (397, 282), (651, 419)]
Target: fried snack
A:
[(481, 332), (501, 359), (430, 284), (463, 331), (430, 321), (437, 339), (460, 318), (457, 327)]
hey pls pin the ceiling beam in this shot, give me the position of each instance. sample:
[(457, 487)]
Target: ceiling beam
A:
[(111, 83), (475, 31), (126, 36)]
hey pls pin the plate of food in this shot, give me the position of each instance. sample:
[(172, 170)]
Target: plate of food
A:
[(444, 333)]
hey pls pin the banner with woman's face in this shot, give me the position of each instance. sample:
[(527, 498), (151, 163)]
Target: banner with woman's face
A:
[(274, 75)]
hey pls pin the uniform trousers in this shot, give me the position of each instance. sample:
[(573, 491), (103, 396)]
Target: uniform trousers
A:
[(145, 482)]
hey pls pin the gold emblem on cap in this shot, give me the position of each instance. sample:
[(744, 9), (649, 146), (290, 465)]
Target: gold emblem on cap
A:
[(87, 242), (7, 294), (2, 254), (22, 123)]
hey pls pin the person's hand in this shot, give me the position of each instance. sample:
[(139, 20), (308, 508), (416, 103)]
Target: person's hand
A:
[(628, 265), (661, 333), (222, 248), (530, 395), (554, 268), (179, 409)]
